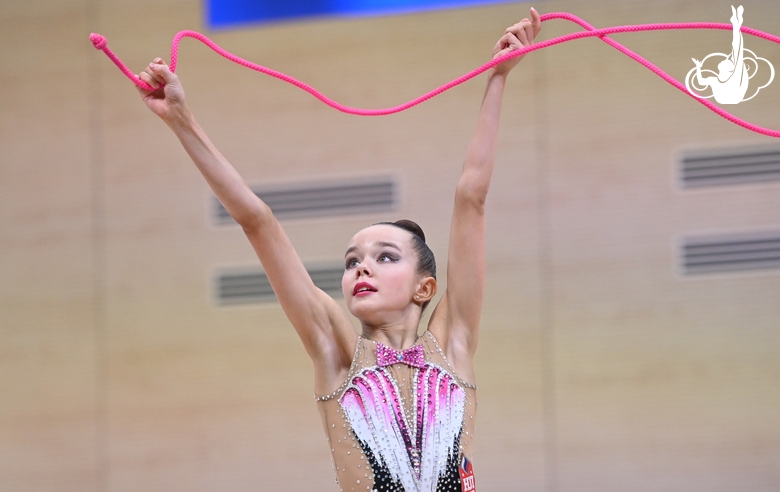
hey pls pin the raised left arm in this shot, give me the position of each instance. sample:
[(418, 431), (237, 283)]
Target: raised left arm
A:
[(455, 323)]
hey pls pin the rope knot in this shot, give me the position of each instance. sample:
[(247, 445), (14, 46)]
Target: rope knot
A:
[(98, 40)]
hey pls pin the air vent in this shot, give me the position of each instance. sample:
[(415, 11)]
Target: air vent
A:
[(251, 286), (731, 253), (729, 166), (301, 200)]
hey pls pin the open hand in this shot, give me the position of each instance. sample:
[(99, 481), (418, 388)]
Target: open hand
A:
[(517, 36)]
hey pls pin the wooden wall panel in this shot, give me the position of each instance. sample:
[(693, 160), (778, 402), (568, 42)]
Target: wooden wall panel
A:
[(48, 363), (663, 383)]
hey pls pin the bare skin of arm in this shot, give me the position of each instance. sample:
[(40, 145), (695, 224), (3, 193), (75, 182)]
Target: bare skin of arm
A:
[(455, 322), (323, 326)]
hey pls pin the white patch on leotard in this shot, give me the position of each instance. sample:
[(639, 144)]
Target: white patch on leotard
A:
[(372, 404)]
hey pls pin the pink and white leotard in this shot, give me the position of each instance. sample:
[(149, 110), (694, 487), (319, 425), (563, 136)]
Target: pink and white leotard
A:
[(401, 426)]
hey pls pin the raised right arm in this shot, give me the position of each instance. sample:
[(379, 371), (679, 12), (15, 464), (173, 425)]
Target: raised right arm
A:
[(321, 323)]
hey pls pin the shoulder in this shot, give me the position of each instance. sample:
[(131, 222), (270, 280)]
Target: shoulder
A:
[(338, 385), (333, 349), (456, 343)]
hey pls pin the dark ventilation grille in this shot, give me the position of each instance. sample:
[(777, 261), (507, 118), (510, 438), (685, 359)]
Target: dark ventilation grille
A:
[(252, 286), (301, 200), (729, 166), (732, 253)]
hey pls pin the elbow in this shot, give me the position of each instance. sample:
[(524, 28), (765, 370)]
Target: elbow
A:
[(472, 194), (474, 182), (255, 219)]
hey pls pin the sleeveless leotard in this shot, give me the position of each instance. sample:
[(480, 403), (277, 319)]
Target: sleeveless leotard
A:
[(401, 427)]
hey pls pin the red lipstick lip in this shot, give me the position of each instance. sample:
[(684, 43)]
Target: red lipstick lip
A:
[(361, 285)]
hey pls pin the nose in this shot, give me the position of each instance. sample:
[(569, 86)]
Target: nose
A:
[(363, 270)]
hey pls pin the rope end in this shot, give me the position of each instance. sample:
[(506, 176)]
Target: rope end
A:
[(98, 41)]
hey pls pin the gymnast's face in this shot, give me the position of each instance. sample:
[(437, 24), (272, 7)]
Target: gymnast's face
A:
[(380, 276)]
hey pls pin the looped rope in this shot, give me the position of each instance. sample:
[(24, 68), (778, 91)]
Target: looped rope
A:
[(100, 43)]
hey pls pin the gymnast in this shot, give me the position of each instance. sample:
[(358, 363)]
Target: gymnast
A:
[(731, 84), (398, 408)]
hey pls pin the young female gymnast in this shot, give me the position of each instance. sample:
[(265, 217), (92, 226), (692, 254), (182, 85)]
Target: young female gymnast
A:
[(398, 407), (731, 84)]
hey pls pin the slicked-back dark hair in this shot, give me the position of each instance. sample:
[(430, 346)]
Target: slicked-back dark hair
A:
[(426, 262)]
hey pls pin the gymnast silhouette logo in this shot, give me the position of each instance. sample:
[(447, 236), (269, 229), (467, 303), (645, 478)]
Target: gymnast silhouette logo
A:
[(730, 84)]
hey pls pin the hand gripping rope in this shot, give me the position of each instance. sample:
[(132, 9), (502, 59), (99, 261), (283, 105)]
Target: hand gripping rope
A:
[(101, 44)]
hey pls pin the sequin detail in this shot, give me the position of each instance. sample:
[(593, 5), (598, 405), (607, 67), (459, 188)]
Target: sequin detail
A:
[(410, 450), (399, 428), (387, 356)]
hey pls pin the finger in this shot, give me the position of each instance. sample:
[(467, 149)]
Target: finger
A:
[(521, 31), (536, 21), (151, 76), (141, 90), (498, 47), (149, 79), (510, 42), (502, 42), (157, 80), (514, 28), (520, 34), (162, 72), (528, 30)]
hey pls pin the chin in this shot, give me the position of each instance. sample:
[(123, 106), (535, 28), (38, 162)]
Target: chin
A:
[(357, 311), (362, 313), (365, 311)]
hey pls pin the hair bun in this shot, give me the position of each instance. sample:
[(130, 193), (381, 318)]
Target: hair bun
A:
[(410, 226)]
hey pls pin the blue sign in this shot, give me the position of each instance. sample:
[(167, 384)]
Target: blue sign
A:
[(227, 13)]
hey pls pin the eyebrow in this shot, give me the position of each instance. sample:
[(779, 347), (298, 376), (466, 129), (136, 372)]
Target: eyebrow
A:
[(381, 244)]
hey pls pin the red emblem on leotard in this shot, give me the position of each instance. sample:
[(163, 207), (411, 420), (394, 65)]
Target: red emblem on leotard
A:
[(467, 476)]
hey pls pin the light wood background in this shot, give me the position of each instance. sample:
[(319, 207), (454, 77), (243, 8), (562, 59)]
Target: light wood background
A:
[(600, 367)]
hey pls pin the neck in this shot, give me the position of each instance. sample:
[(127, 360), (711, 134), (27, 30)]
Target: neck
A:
[(398, 336)]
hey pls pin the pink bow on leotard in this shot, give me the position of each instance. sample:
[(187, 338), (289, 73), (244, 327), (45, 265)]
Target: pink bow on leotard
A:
[(387, 356)]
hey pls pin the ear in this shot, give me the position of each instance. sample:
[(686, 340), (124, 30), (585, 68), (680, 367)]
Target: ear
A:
[(426, 289)]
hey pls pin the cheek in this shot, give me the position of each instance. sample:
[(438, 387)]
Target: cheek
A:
[(345, 285), (401, 281)]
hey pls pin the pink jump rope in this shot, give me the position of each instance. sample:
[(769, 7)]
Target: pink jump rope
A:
[(101, 44)]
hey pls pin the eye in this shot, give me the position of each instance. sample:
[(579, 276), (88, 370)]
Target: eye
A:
[(386, 257), (351, 263)]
